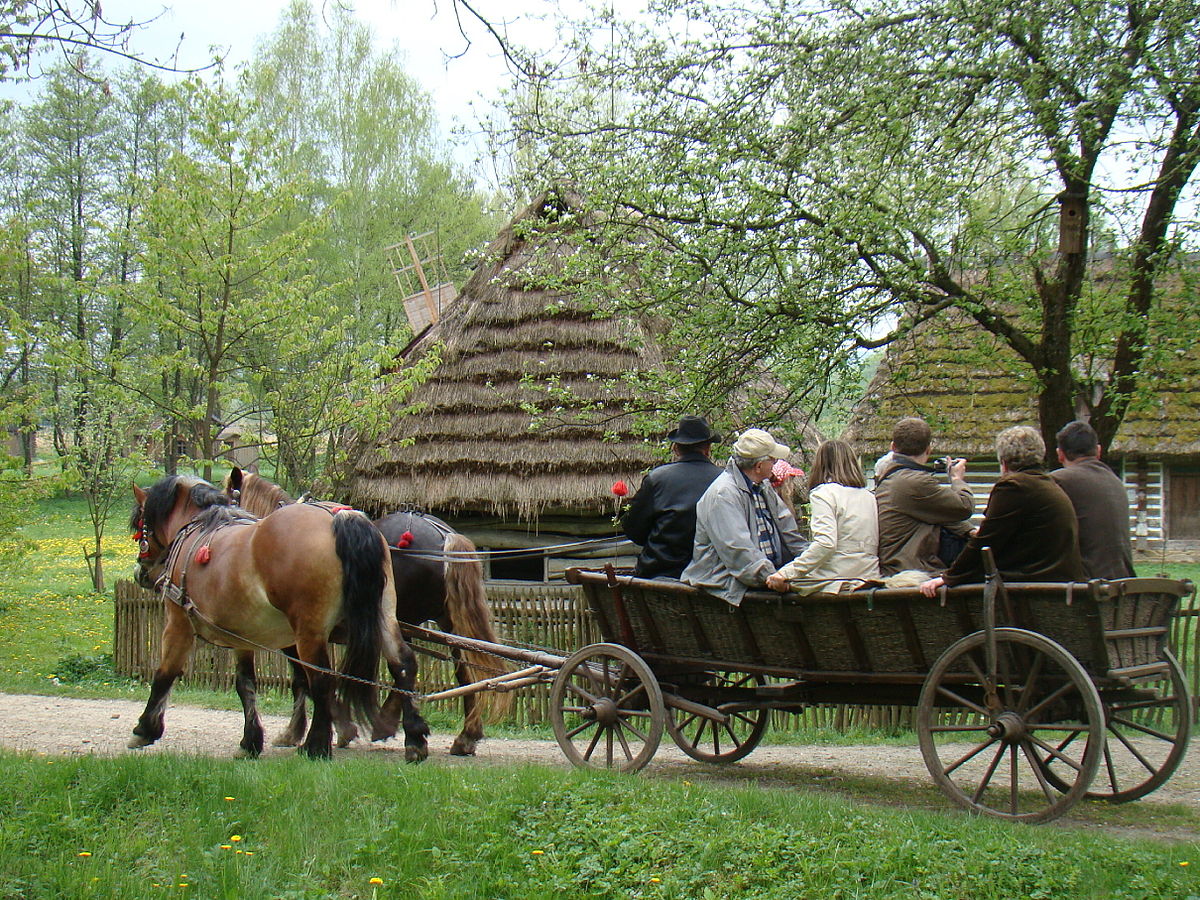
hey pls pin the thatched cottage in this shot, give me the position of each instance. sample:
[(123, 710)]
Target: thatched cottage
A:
[(528, 420), (969, 386)]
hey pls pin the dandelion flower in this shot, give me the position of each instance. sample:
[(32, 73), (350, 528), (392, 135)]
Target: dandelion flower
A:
[(227, 846), (376, 880), (228, 799), (235, 837), (655, 880), (537, 852), (1185, 863), (85, 853)]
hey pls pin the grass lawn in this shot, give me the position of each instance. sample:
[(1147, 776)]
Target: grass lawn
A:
[(290, 828)]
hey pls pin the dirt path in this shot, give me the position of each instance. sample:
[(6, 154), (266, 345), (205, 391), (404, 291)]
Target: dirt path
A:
[(69, 726)]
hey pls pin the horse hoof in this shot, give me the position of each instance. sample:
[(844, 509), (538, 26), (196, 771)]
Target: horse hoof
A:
[(415, 754), (137, 742), (462, 748), (286, 740), (345, 737), (243, 753)]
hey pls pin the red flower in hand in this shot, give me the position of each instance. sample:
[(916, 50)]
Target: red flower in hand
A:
[(620, 489)]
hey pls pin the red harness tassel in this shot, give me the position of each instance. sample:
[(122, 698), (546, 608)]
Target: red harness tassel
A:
[(203, 555)]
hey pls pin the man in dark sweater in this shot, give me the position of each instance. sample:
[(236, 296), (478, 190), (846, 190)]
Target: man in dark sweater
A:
[(1100, 500), (662, 515)]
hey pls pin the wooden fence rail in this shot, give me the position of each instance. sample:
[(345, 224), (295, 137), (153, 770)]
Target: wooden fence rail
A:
[(544, 616)]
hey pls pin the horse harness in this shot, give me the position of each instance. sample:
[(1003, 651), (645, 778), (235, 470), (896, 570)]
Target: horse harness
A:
[(199, 532)]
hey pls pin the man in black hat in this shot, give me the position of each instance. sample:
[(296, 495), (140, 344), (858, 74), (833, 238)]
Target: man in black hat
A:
[(662, 514)]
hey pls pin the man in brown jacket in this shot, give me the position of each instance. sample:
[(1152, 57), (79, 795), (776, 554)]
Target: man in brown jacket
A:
[(915, 507)]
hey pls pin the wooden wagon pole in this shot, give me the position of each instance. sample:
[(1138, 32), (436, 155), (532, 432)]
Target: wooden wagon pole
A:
[(503, 651)]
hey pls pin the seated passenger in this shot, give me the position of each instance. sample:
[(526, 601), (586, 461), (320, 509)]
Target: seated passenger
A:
[(1029, 522), (744, 531), (1100, 500), (844, 528), (923, 523), (662, 515)]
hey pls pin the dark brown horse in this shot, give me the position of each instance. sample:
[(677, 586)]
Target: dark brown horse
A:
[(447, 589), (247, 583)]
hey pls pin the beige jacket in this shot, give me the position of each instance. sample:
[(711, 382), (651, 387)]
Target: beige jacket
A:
[(844, 537)]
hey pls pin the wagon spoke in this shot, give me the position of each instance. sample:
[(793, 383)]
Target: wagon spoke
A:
[(987, 776), (1003, 675), (581, 693), (743, 718), (608, 747), (957, 728), (1133, 750), (591, 747), (639, 688), (624, 723), (1137, 726), (695, 742), (1035, 672), (970, 755), (732, 735), (985, 680), (1035, 763), (1145, 704), (618, 730), (962, 701), (1055, 753), (578, 729), (1014, 770), (1110, 768), (1060, 691)]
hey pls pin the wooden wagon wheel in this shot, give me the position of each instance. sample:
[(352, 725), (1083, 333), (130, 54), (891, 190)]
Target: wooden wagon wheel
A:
[(1017, 702), (1148, 729), (606, 709), (707, 739)]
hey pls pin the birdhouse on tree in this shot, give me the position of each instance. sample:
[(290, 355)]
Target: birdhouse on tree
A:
[(1070, 222)]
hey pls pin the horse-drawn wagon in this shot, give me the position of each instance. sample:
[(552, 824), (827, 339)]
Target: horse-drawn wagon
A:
[(1028, 696)]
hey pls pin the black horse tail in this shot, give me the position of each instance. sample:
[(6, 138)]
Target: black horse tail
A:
[(470, 616), (364, 558)]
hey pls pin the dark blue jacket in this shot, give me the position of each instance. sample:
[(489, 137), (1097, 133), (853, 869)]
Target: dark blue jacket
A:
[(662, 515)]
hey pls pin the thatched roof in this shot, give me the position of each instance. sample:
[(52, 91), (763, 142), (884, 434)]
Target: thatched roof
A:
[(969, 386), (528, 411)]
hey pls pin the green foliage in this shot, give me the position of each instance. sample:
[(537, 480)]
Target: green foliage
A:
[(80, 667), (794, 185)]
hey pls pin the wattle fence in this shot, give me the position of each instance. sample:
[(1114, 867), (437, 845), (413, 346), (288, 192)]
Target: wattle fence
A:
[(545, 616)]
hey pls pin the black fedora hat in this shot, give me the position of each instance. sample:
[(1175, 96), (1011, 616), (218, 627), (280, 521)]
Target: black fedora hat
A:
[(693, 430)]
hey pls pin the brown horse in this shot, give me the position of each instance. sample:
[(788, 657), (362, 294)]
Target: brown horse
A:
[(247, 583), (448, 590)]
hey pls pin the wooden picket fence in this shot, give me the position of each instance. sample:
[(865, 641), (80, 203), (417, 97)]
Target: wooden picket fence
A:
[(545, 616)]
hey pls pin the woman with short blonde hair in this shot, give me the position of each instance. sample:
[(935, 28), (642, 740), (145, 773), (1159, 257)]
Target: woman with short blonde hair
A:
[(1029, 523), (845, 528)]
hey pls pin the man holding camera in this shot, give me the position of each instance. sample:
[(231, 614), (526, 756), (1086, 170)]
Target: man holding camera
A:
[(923, 522)]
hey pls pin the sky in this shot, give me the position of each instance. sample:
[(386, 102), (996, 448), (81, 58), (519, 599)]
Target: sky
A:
[(461, 75)]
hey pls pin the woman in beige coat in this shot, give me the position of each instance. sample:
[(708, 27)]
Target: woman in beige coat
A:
[(845, 528)]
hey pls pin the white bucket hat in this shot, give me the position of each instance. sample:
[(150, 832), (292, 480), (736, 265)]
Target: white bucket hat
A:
[(754, 442)]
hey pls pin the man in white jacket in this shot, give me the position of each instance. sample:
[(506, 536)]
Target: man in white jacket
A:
[(744, 530)]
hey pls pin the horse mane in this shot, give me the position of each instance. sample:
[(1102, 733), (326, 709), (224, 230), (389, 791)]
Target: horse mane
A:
[(160, 499), (262, 497)]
